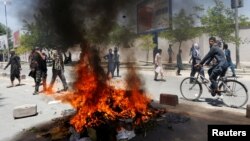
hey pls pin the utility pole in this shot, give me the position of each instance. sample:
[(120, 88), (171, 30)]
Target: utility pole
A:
[(237, 35), (6, 25)]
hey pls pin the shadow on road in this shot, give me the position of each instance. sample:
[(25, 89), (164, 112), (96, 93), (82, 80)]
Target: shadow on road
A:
[(214, 102), (1, 99), (15, 86), (211, 101)]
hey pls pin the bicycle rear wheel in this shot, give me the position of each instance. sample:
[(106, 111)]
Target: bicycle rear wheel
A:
[(234, 93), (190, 90)]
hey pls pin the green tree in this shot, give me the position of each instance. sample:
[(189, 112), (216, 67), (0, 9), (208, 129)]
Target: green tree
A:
[(26, 43), (10, 42), (2, 29), (121, 36), (244, 21), (146, 43), (183, 28), (220, 21), (39, 34)]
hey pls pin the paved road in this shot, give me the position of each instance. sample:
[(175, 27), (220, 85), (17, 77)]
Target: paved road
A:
[(11, 97), (171, 86)]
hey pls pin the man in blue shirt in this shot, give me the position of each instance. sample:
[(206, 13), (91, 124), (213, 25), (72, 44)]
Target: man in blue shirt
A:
[(116, 61), (110, 58), (219, 69), (228, 57)]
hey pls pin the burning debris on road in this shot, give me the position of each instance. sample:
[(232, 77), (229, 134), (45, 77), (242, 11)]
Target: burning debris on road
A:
[(98, 104), (60, 129)]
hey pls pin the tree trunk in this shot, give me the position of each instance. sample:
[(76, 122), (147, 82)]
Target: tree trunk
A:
[(147, 54), (179, 47), (181, 51)]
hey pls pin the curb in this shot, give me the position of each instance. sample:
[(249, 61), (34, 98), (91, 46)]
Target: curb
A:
[(214, 114)]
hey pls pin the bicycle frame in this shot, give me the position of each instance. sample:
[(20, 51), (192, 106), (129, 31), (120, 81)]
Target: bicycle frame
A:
[(220, 80), (229, 89), (200, 81)]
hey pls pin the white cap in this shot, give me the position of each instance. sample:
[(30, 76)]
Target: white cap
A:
[(196, 45)]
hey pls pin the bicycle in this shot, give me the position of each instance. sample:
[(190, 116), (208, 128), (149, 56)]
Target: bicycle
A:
[(232, 92)]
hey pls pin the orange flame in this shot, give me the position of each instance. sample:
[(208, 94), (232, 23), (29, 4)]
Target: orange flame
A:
[(97, 100)]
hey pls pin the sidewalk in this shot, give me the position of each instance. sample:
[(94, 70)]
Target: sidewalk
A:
[(244, 70)]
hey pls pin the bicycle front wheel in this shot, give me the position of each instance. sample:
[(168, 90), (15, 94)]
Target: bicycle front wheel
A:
[(190, 90), (234, 93)]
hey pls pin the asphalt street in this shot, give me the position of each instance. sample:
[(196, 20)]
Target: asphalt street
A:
[(49, 109)]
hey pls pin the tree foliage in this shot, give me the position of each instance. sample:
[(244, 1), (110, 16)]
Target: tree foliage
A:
[(39, 34), (219, 21), (183, 28), (3, 31), (27, 43), (121, 36), (146, 43), (244, 21)]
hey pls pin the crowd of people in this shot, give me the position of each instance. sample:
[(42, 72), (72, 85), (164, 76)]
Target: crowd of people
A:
[(218, 58), (38, 69)]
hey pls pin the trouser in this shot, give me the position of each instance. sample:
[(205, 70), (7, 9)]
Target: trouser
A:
[(194, 70), (178, 70), (40, 76), (117, 67), (179, 67), (231, 65), (14, 75), (214, 72), (110, 69), (59, 73), (170, 59), (156, 74)]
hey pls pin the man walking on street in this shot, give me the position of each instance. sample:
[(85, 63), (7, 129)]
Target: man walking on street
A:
[(158, 66), (196, 58), (155, 51), (38, 65), (58, 70), (15, 67), (229, 60)]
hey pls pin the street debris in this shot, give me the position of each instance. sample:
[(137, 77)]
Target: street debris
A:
[(25, 111), (54, 102)]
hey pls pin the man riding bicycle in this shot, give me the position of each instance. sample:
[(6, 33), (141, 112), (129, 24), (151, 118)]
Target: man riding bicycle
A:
[(218, 69)]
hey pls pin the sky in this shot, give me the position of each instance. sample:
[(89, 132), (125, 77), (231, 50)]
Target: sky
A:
[(15, 8)]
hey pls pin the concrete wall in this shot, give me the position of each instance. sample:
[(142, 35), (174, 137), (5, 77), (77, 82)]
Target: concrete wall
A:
[(138, 54), (244, 47)]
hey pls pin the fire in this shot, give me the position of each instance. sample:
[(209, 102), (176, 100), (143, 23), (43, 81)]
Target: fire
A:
[(98, 100)]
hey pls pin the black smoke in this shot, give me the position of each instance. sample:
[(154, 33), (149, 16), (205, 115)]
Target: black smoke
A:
[(71, 22)]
